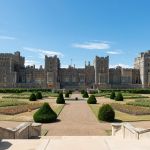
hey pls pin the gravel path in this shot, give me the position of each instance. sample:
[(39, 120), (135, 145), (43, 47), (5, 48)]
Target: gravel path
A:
[(77, 119)]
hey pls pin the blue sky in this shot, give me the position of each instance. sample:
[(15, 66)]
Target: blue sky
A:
[(75, 29)]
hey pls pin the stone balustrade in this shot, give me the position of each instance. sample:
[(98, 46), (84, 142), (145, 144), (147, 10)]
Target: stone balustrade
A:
[(23, 131), (126, 130)]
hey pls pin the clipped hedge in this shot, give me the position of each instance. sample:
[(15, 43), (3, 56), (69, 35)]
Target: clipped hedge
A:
[(39, 95), (92, 100), (32, 97), (60, 99), (106, 113), (45, 114), (67, 94), (119, 97), (85, 94), (112, 95)]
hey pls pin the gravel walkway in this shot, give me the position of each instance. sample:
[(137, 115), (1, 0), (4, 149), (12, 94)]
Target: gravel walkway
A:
[(77, 119)]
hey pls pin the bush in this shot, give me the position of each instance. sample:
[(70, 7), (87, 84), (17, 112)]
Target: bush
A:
[(112, 95), (119, 97), (60, 99), (92, 100), (76, 98), (32, 97), (45, 114), (106, 113), (82, 91), (85, 95), (67, 94), (39, 95)]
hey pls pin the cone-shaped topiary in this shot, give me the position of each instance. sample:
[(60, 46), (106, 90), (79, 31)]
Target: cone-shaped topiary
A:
[(82, 91), (39, 95), (32, 97), (119, 97), (45, 114), (92, 100), (112, 95), (85, 94), (60, 99), (67, 94), (106, 113)]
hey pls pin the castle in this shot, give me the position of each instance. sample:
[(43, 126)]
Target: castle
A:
[(14, 74)]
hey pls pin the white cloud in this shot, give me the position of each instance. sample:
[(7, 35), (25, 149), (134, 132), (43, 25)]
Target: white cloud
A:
[(2, 37), (113, 52), (64, 66), (42, 52), (93, 45), (121, 65)]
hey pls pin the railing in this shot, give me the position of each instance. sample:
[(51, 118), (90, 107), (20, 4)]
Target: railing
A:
[(126, 130)]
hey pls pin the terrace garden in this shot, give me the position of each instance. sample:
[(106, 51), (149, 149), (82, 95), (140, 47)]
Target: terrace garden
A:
[(17, 107)]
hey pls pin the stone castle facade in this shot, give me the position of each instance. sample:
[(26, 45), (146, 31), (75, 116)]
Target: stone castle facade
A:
[(14, 74)]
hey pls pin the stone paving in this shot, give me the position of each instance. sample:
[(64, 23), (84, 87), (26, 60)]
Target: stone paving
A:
[(76, 143), (77, 119)]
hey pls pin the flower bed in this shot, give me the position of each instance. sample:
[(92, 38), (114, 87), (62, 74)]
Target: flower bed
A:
[(144, 103), (12, 110), (130, 109)]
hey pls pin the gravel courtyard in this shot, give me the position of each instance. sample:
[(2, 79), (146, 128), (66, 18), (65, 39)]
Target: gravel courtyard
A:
[(77, 118)]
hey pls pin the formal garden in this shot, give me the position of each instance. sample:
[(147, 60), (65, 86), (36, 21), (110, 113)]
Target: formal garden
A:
[(128, 105), (20, 105), (44, 106)]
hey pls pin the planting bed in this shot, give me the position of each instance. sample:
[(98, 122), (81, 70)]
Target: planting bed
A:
[(130, 109), (12, 110), (144, 103)]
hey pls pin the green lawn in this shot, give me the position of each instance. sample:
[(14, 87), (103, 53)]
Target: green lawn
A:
[(121, 116), (125, 95), (11, 102), (58, 108)]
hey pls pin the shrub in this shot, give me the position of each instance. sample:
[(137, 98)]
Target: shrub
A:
[(70, 91), (82, 91), (45, 114), (92, 100), (60, 99), (119, 97), (67, 94), (76, 98), (32, 97), (112, 95), (39, 95), (106, 113), (85, 95)]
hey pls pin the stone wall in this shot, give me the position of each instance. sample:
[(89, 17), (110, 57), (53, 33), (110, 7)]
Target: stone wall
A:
[(23, 131)]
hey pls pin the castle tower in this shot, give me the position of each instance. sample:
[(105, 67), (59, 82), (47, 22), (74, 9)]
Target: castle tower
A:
[(142, 62), (52, 68), (101, 66)]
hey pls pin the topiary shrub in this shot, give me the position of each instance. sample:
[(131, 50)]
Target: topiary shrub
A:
[(45, 114), (76, 98), (82, 91), (67, 94), (39, 95), (92, 100), (85, 94), (60, 99), (119, 97), (32, 97), (106, 113), (112, 95)]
